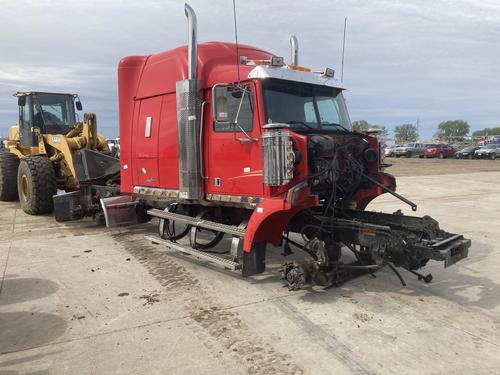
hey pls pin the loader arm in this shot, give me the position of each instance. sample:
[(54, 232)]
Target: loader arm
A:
[(62, 148)]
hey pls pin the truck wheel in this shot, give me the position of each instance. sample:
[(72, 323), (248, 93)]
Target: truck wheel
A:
[(36, 184), (8, 176), (441, 155), (493, 156)]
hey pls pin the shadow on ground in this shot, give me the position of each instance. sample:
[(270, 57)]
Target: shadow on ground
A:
[(22, 330), (25, 289)]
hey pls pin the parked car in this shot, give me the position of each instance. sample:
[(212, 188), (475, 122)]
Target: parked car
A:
[(467, 152), (117, 148), (440, 151), (111, 144), (389, 150), (114, 147), (491, 151), (410, 149)]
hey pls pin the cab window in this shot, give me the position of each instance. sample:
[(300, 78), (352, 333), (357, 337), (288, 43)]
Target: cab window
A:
[(233, 108), (26, 113)]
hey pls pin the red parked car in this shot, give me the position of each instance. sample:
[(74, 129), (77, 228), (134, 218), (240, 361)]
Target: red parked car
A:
[(440, 151)]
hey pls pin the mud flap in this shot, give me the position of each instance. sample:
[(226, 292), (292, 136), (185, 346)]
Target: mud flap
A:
[(254, 262), (120, 210)]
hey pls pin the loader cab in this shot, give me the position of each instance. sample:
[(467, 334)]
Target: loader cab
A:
[(45, 113)]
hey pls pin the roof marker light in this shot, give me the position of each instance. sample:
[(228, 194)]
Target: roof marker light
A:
[(298, 67), (277, 61), (328, 72)]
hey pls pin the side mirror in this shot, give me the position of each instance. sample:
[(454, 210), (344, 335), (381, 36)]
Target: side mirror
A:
[(78, 105), (21, 101)]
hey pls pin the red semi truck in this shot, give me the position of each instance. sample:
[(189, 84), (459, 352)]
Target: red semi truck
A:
[(219, 139)]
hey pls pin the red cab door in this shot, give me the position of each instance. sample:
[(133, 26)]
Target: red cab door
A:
[(233, 154)]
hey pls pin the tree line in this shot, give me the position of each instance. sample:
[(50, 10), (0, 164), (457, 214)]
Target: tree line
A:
[(447, 130)]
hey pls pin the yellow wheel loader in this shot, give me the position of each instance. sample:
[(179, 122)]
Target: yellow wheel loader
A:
[(49, 150)]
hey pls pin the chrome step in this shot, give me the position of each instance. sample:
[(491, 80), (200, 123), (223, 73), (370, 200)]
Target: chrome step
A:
[(212, 258), (207, 224)]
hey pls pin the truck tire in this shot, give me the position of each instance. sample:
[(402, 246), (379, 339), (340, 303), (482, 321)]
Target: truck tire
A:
[(8, 176), (36, 184), (493, 156)]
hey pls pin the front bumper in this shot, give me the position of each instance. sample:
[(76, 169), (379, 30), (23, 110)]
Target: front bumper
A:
[(400, 152), (483, 155)]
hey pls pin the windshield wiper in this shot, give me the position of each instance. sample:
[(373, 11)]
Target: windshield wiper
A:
[(293, 122), (334, 124)]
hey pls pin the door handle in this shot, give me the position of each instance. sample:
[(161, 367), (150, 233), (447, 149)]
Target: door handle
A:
[(247, 139)]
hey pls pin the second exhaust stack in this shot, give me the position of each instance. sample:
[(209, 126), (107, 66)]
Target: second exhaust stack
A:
[(294, 44)]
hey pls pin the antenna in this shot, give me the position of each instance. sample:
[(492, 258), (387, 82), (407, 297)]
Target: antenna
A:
[(343, 51), (236, 41)]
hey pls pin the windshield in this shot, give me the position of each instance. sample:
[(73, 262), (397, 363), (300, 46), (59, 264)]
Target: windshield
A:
[(409, 145), (467, 149), (305, 106), (490, 146), (53, 113)]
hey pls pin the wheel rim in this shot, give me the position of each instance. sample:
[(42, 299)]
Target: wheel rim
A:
[(168, 229), (25, 192), (209, 238)]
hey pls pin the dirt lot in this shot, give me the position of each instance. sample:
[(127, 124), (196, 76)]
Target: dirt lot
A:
[(76, 298), (427, 167)]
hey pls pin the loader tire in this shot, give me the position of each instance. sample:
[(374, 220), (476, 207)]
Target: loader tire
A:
[(36, 184), (8, 176)]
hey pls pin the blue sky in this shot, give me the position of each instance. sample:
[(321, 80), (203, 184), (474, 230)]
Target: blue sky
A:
[(431, 60)]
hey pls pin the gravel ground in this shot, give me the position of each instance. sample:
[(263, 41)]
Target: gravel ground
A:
[(428, 167)]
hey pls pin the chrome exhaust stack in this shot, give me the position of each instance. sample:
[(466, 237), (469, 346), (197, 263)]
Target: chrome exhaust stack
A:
[(188, 119), (192, 41), (294, 44)]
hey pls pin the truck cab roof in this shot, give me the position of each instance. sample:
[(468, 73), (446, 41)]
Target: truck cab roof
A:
[(216, 64)]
